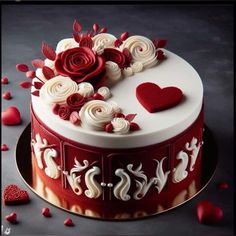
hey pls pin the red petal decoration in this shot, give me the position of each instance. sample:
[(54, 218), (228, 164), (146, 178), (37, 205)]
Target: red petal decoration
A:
[(103, 30), (6, 95), (48, 52), (37, 63), (48, 72), (130, 117), (95, 27), (35, 93), (4, 80), (76, 26), (117, 43), (30, 74), (160, 55), (124, 36), (22, 67), (134, 126), (86, 41), (25, 84), (128, 55), (159, 43), (77, 38), (38, 85)]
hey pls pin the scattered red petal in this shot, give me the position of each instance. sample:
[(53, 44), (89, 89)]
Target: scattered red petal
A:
[(119, 115), (12, 218), (48, 72), (4, 147), (124, 36), (95, 27), (25, 84), (109, 128), (68, 222), (134, 126), (38, 85), (103, 30), (130, 117), (37, 63), (22, 67), (46, 212), (35, 93), (223, 185), (6, 95), (30, 74), (5, 80), (76, 26), (48, 52)]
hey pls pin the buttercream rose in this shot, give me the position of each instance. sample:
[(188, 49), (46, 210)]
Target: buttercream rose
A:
[(80, 64), (64, 112), (75, 101)]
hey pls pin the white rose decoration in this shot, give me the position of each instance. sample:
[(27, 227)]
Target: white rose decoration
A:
[(65, 44), (120, 125), (57, 89)]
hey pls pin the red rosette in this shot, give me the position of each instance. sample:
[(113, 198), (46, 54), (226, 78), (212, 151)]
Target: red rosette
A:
[(80, 64), (75, 101), (64, 112), (111, 54)]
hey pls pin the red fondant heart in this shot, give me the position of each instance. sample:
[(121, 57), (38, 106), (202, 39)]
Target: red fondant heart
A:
[(46, 212), (208, 213), (11, 116), (68, 222), (11, 218), (153, 98), (13, 195)]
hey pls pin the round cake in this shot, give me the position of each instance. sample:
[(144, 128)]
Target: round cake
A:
[(117, 124)]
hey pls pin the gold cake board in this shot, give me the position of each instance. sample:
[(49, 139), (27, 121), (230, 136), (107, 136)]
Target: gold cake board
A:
[(24, 166)]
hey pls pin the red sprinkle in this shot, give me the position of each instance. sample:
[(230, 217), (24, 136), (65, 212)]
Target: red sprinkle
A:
[(223, 185), (46, 212), (109, 128), (5, 80), (134, 126), (68, 222), (11, 218), (4, 147), (6, 95)]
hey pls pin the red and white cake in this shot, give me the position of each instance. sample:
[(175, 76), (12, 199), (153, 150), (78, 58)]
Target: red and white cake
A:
[(117, 124)]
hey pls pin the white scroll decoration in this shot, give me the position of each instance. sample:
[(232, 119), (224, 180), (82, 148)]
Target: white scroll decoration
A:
[(194, 148), (51, 169), (122, 187), (180, 172), (142, 187), (94, 188), (161, 177), (74, 180), (38, 144)]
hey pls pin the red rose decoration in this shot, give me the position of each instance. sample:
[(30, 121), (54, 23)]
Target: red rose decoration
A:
[(75, 101), (111, 54), (80, 64), (64, 112)]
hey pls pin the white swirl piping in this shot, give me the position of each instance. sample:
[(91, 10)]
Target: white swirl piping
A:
[(113, 71), (104, 38), (120, 125), (85, 89), (51, 169), (65, 44), (105, 92)]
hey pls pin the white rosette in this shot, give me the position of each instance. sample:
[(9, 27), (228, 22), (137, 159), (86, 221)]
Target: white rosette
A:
[(104, 39), (85, 89), (95, 114), (127, 72), (105, 92), (142, 50), (57, 89), (113, 71), (115, 106), (120, 125), (65, 44), (137, 67)]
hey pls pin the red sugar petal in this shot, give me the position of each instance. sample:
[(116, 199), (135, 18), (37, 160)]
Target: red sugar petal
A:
[(35, 93), (77, 38), (6, 95), (30, 74), (4, 147), (124, 36), (48, 72), (38, 85), (77, 26), (4, 80), (95, 27), (37, 63), (103, 30), (134, 126), (130, 117), (48, 51), (117, 43), (25, 84), (22, 67)]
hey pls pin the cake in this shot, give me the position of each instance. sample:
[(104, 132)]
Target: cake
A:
[(117, 124)]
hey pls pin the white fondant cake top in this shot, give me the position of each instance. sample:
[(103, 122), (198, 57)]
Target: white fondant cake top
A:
[(155, 127)]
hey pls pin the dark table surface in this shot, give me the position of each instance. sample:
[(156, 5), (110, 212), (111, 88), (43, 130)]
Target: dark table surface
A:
[(201, 34)]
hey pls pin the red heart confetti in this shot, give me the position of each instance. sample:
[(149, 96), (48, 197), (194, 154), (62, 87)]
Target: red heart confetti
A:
[(6, 95), (46, 212), (68, 222), (4, 80), (208, 213), (12, 218), (13, 195), (4, 147), (223, 185), (153, 98), (11, 116)]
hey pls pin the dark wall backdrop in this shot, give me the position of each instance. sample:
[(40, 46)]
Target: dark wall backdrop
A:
[(201, 34)]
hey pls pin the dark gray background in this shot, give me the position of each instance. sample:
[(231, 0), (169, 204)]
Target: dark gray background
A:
[(203, 35)]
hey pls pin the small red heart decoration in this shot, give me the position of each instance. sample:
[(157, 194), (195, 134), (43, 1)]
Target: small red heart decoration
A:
[(68, 222), (13, 195), (208, 213), (11, 116), (6, 95), (4, 80), (11, 218), (4, 147), (153, 98), (46, 212)]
